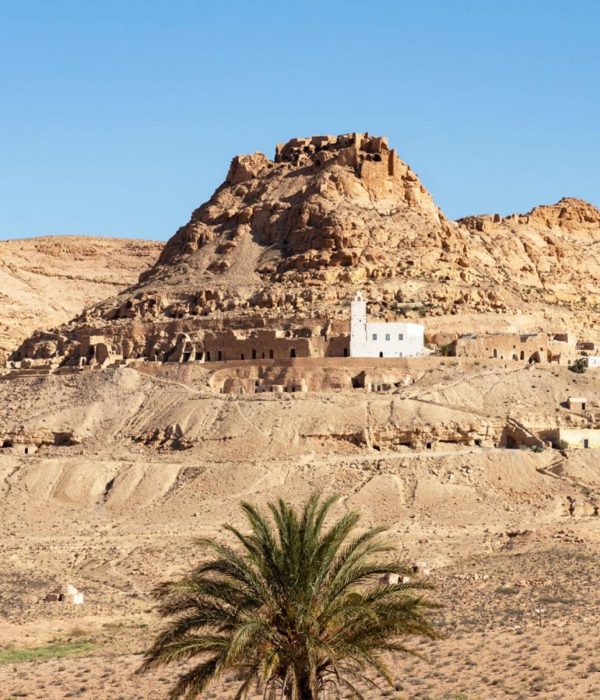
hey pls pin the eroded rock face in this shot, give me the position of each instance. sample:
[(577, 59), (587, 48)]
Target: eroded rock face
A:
[(569, 215), (46, 281), (324, 205), (551, 252), (285, 243)]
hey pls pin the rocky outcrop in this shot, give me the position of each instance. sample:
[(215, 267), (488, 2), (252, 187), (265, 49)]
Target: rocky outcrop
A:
[(323, 207), (551, 252), (569, 215), (283, 244)]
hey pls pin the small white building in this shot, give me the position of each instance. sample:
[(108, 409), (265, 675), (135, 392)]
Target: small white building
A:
[(593, 361), (382, 339)]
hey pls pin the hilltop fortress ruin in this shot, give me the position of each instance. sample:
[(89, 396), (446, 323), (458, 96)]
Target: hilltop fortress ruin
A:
[(266, 268)]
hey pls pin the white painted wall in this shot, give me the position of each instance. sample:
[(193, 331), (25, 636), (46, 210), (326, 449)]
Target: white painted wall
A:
[(580, 437), (382, 339), (593, 361)]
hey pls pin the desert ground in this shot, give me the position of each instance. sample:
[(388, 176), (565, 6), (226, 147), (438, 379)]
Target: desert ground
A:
[(509, 538), (122, 438)]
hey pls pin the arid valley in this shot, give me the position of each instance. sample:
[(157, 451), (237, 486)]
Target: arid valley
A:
[(182, 379)]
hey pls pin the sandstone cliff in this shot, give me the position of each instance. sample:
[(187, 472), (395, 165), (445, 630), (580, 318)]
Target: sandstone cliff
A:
[(551, 252)]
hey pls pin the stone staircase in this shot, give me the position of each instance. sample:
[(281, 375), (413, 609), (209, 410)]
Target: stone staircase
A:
[(521, 435)]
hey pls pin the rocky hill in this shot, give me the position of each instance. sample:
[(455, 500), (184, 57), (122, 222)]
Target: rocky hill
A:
[(297, 234), (46, 281), (106, 477), (551, 252), (288, 241)]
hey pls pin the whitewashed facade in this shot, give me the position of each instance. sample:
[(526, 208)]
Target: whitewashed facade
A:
[(382, 339)]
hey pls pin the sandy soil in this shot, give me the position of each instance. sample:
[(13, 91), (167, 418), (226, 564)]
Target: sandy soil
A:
[(519, 622), (512, 549)]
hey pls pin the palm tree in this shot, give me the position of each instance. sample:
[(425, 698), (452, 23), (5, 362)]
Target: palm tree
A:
[(292, 610)]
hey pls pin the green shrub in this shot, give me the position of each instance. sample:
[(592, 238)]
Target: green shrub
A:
[(51, 651), (507, 590), (579, 366)]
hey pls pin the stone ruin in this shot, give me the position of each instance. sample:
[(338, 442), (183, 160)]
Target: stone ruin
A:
[(354, 150), (28, 442), (539, 347)]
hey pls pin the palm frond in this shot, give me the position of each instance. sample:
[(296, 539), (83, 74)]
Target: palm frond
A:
[(294, 607)]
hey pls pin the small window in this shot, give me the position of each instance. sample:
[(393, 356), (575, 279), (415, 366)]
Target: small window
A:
[(400, 336), (374, 336), (387, 336)]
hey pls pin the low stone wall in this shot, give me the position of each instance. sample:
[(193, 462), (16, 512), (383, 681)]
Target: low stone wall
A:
[(315, 374)]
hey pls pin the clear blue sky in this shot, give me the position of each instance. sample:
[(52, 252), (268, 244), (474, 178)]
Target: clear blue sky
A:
[(119, 117)]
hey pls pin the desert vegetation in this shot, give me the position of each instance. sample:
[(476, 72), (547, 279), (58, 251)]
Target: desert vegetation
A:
[(296, 607)]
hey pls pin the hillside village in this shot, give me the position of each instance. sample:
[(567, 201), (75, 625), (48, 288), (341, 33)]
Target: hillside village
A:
[(265, 291), (372, 356), (363, 339)]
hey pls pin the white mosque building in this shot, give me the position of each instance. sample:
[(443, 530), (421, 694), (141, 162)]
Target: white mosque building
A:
[(382, 339)]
